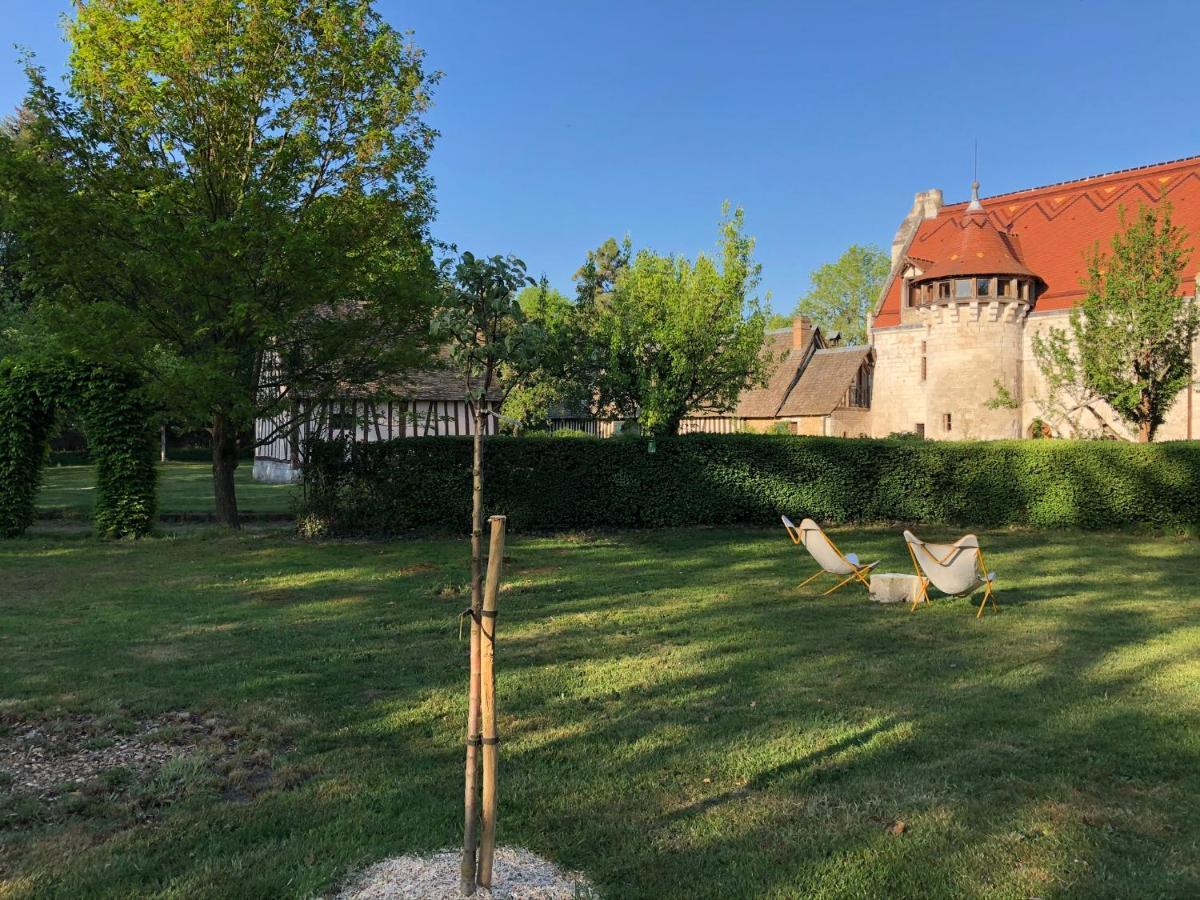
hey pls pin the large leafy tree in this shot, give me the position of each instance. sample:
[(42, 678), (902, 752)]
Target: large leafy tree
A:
[(843, 292), (1135, 328), (222, 182), (675, 336)]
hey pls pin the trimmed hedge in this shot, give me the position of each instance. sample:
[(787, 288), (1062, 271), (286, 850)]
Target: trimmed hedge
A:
[(117, 422), (541, 483)]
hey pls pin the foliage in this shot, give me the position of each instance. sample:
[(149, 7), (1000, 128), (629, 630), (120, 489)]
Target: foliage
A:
[(596, 280), (555, 381), (483, 326), (844, 292), (222, 181), (1070, 407), (116, 419), (675, 337), (1134, 329), (1002, 398), (26, 417), (702, 479)]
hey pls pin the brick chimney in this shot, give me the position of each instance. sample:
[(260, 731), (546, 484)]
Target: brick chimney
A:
[(801, 332)]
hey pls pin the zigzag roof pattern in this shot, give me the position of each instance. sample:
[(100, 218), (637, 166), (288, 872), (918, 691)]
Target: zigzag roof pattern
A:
[(1054, 227)]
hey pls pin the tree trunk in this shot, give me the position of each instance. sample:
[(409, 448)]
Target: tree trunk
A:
[(471, 774), (1146, 426), (224, 451), (162, 442)]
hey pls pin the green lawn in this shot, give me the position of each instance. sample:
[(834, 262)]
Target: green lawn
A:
[(183, 487), (677, 719)]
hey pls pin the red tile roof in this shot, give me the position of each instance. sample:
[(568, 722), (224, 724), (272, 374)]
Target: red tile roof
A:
[(1051, 229), (982, 250)]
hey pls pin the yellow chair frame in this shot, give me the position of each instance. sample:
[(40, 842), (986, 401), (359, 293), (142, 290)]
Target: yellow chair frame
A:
[(922, 594), (859, 572)]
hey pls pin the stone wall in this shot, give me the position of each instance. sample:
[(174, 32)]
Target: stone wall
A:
[(849, 421), (1035, 396), (898, 396), (968, 347)]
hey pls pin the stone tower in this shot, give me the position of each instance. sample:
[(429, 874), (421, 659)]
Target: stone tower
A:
[(973, 306)]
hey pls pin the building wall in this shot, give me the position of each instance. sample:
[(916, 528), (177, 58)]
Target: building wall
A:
[(898, 399), (972, 347), (848, 421), (281, 438), (968, 348), (1035, 405)]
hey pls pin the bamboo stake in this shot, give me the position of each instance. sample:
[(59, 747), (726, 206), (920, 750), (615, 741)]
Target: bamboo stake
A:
[(487, 683), (471, 773)]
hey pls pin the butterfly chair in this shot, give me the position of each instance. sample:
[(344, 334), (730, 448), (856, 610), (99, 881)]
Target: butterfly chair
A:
[(956, 570), (831, 560)]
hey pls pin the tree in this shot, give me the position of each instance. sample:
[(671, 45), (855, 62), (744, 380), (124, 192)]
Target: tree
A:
[(223, 181), (1068, 401), (485, 330), (596, 279), (1135, 329), (844, 292), (676, 337), (557, 380)]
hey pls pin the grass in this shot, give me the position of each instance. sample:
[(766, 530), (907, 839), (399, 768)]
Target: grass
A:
[(677, 719), (183, 488)]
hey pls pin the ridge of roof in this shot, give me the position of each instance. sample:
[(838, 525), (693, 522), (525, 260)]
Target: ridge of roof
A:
[(954, 207), (859, 347)]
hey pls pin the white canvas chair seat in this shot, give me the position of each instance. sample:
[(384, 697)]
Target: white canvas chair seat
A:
[(956, 570), (826, 554)]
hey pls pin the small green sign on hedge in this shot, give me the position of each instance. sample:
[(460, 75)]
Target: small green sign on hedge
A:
[(541, 483)]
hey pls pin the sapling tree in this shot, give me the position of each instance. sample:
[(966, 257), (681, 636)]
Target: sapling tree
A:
[(482, 325), (1135, 328)]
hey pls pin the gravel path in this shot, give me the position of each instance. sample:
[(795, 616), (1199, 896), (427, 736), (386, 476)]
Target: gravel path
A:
[(518, 875)]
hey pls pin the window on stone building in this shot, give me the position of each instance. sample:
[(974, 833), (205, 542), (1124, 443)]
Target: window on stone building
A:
[(983, 287), (962, 288), (946, 422), (919, 429), (924, 361), (860, 390), (1024, 290), (943, 290), (1004, 287)]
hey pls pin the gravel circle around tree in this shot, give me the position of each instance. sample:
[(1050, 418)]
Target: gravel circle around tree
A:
[(518, 875)]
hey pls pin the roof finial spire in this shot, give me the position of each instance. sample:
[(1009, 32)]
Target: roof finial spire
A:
[(975, 204)]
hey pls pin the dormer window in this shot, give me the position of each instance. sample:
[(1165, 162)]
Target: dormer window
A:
[(962, 288), (983, 287)]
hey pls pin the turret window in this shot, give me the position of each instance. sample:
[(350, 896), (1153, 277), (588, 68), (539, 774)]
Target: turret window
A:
[(970, 288)]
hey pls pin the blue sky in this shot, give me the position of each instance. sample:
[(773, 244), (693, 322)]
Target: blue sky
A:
[(566, 121)]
